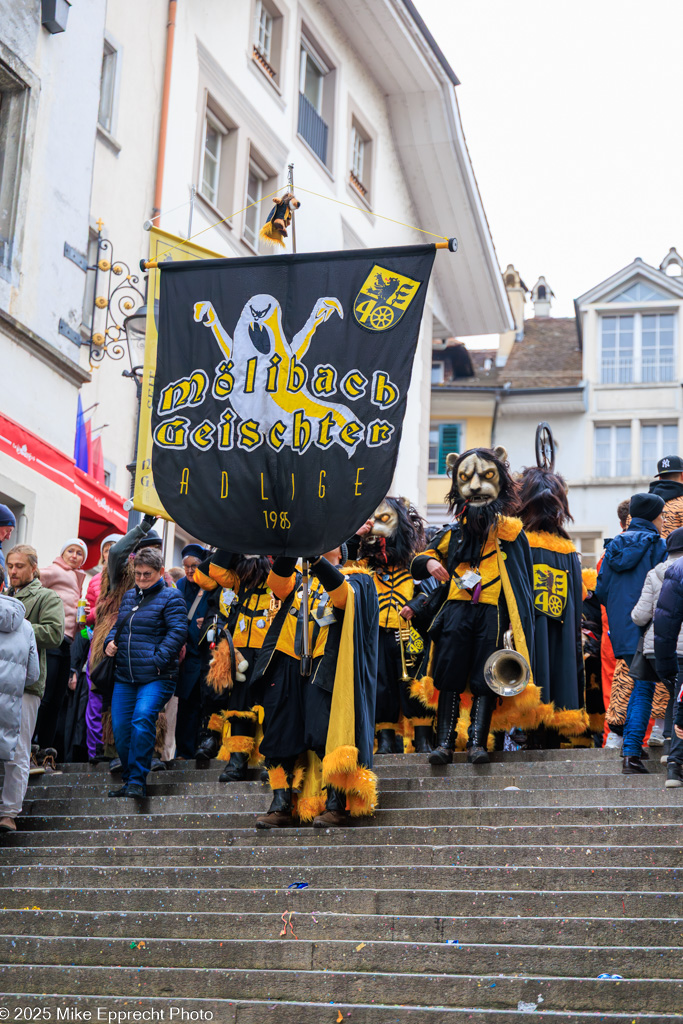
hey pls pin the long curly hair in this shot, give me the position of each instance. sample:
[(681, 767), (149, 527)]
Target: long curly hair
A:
[(107, 610), (543, 504), (400, 549)]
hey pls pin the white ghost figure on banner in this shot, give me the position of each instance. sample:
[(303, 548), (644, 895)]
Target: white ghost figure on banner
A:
[(271, 385)]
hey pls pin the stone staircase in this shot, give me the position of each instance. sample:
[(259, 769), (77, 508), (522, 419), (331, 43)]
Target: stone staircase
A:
[(463, 899)]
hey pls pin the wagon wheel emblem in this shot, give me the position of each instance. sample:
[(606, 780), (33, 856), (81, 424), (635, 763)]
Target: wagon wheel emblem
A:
[(545, 447), (382, 317), (555, 605)]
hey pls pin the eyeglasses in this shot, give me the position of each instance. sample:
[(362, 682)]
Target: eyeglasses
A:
[(144, 575)]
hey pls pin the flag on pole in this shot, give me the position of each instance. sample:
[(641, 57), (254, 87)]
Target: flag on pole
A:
[(280, 390), (81, 445)]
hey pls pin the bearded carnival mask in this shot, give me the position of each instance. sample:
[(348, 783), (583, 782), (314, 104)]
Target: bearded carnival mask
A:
[(476, 478)]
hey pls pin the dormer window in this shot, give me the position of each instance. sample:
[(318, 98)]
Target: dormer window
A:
[(638, 348)]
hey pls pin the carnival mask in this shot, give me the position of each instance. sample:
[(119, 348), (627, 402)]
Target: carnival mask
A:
[(384, 521), (477, 479)]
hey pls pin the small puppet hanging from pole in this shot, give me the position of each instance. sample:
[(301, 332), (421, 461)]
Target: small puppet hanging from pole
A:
[(274, 231)]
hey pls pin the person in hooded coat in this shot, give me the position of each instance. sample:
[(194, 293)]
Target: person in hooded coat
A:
[(628, 559), (640, 704)]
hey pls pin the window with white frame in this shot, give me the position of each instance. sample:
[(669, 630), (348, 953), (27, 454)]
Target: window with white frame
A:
[(256, 179), (105, 114), (637, 348), (656, 441), (360, 158), (267, 46), (612, 451), (264, 29), (13, 103), (316, 99), (211, 157), (437, 371)]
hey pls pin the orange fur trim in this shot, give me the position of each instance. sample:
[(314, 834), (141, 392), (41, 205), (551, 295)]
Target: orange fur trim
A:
[(249, 715), (568, 722), (509, 527), (257, 757), (309, 807), (237, 745), (277, 777), (386, 725), (596, 722), (590, 578), (422, 721), (298, 777), (426, 692), (342, 771), (216, 722), (219, 676), (550, 541)]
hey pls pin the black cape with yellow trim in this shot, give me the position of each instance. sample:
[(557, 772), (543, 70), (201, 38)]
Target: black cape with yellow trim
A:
[(515, 565), (558, 661), (348, 668)]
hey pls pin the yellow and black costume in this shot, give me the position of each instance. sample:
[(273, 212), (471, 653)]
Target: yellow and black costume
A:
[(471, 625), (244, 612), (318, 729)]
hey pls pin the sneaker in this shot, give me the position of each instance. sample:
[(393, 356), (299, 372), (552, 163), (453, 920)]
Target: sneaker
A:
[(674, 777), (657, 735), (7, 825), (115, 766), (613, 742), (157, 765), (664, 759)]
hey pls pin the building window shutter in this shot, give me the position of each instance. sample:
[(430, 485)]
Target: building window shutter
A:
[(448, 442)]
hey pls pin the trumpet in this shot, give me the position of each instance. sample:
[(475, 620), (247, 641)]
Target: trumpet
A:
[(506, 671), (405, 678)]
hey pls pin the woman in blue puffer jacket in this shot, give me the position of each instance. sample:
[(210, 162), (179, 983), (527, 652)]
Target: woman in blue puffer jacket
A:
[(153, 621)]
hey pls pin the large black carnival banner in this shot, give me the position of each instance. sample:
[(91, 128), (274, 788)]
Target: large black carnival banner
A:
[(280, 391)]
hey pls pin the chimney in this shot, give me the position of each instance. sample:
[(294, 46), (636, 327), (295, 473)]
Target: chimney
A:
[(516, 290), (542, 296)]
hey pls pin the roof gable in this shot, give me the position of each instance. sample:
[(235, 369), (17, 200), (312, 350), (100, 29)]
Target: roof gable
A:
[(638, 273)]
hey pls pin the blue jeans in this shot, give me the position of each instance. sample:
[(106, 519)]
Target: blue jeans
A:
[(134, 711), (638, 716)]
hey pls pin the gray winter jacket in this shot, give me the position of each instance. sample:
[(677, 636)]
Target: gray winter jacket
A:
[(19, 669), (647, 602)]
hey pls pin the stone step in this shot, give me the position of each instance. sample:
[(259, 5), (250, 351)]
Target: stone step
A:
[(241, 1011), (490, 991), (441, 835), (404, 766), (128, 817), (480, 855), (348, 877), (338, 955), (315, 925), (231, 803), (496, 902), (170, 785)]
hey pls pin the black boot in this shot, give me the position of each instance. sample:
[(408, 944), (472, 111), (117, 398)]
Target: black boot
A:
[(236, 768), (633, 766), (279, 813), (423, 739), (334, 814), (446, 718), (482, 710), (385, 741), (207, 749)]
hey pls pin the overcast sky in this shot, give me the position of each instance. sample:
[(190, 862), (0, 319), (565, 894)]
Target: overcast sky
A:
[(573, 116)]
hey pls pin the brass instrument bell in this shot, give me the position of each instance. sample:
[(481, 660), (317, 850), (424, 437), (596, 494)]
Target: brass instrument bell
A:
[(506, 671)]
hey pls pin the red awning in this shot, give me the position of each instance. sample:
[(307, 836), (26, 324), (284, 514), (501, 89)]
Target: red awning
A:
[(101, 509)]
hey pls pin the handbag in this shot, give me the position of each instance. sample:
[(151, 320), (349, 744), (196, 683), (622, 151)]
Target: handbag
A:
[(102, 676), (640, 667)]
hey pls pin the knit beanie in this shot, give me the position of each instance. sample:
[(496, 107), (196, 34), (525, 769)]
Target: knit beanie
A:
[(674, 542), (76, 542), (646, 506), (111, 538), (7, 516)]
